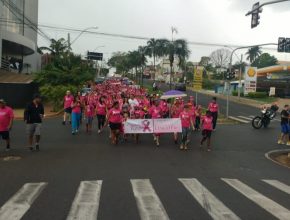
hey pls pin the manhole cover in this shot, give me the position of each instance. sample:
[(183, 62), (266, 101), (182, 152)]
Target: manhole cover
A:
[(11, 158)]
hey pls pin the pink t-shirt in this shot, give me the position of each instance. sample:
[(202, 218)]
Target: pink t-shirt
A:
[(114, 116), (139, 114), (155, 112), (185, 119), (207, 123), (176, 110), (77, 108), (6, 114), (101, 109), (90, 110), (68, 100), (213, 107)]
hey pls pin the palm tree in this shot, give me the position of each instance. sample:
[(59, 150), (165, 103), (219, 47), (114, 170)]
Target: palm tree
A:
[(176, 49), (151, 52), (57, 47), (253, 53)]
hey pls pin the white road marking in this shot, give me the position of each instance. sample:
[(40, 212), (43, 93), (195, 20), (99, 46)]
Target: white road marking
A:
[(246, 118), (86, 202), (269, 205), (238, 119), (215, 208), (279, 185), (148, 202), (20, 203)]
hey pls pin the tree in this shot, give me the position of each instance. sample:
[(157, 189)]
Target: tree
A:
[(265, 60), (151, 51), (220, 58), (120, 61), (175, 49), (253, 53), (57, 47), (204, 61)]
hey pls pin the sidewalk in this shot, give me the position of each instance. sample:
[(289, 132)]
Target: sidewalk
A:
[(254, 103)]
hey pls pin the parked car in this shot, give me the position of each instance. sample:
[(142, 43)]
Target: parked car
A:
[(180, 87), (99, 80)]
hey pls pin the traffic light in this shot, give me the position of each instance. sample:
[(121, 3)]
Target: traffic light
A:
[(255, 15), (282, 44), (229, 75), (287, 45)]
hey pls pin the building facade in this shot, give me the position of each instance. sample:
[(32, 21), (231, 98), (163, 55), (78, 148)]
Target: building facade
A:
[(18, 36)]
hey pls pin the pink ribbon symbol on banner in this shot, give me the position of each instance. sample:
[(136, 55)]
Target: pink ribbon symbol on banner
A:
[(146, 124)]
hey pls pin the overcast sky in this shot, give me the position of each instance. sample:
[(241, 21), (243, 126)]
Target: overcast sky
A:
[(209, 21)]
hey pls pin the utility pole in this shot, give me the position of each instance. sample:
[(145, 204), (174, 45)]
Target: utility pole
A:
[(240, 78), (68, 42)]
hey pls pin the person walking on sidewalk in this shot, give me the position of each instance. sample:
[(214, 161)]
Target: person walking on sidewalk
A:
[(33, 116), (6, 122), (285, 128), (186, 123), (213, 107)]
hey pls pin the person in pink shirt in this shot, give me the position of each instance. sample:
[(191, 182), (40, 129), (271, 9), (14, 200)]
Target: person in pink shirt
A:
[(175, 111), (114, 118), (207, 127), (198, 112), (186, 123), (76, 115), (89, 114), (101, 111), (155, 112), (67, 100), (138, 114), (6, 122), (213, 107)]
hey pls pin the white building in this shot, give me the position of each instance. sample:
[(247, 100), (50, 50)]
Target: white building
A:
[(18, 35)]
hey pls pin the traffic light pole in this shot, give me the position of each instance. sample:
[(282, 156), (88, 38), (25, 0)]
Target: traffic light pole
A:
[(266, 3), (230, 69)]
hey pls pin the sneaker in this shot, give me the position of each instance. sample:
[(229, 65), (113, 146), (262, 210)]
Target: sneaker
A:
[(288, 143), (37, 147), (73, 133), (280, 142), (99, 131), (8, 149), (63, 123), (208, 149), (31, 149), (181, 147)]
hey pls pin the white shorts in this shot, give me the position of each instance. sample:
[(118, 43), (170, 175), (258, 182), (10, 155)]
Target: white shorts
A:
[(33, 129)]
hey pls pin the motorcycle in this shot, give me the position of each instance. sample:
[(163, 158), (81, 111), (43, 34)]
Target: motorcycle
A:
[(267, 115)]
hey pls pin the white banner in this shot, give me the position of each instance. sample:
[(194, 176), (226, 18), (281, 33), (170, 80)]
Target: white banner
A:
[(250, 80), (168, 125), (148, 126), (138, 126)]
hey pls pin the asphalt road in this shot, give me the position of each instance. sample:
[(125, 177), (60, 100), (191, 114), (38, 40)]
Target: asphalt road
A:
[(65, 161)]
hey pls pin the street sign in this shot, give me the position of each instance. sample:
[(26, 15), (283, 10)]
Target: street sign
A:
[(250, 80), (198, 77), (94, 56)]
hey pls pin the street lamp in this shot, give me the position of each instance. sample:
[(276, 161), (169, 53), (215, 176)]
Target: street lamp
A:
[(83, 31)]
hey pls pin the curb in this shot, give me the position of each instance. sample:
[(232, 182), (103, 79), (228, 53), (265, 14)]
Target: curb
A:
[(267, 155)]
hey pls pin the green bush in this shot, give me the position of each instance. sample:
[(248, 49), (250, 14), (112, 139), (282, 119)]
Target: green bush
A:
[(236, 93), (208, 84), (258, 95), (55, 94)]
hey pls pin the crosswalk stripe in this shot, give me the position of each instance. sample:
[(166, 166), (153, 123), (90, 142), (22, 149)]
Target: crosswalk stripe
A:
[(246, 118), (269, 205), (86, 202), (19, 204), (279, 185), (215, 208), (148, 202), (238, 119)]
